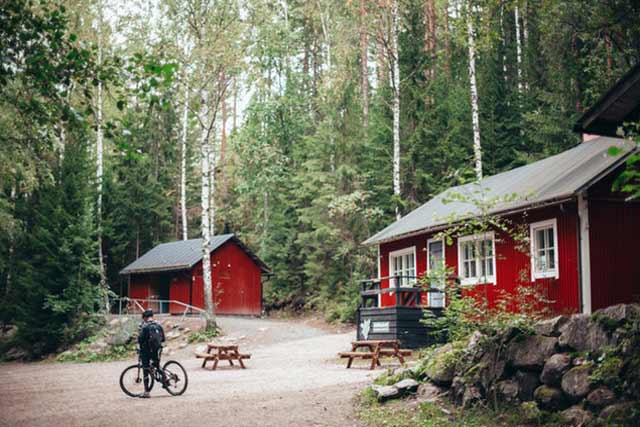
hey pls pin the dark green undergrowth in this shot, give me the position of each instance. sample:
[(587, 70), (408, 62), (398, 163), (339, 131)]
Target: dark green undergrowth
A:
[(411, 413), (83, 353)]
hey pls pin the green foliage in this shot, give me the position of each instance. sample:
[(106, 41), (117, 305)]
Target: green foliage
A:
[(204, 335), (83, 353)]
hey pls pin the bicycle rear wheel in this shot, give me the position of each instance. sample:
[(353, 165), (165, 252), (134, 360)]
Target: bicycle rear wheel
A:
[(176, 379), (132, 381)]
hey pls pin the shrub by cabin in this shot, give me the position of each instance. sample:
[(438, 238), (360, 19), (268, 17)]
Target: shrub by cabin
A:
[(173, 272)]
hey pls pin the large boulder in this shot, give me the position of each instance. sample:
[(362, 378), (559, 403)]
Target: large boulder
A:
[(386, 392), (408, 385), (575, 383), (428, 392), (584, 334), (440, 368), (576, 416), (618, 412), (554, 368), (551, 327), (549, 398), (528, 382), (601, 397), (531, 352), (617, 314), (507, 391)]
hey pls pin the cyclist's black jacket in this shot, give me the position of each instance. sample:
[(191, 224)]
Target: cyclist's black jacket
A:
[(143, 336)]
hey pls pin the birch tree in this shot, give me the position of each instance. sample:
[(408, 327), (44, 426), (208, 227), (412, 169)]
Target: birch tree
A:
[(518, 50), (475, 120), (183, 159), (364, 77), (215, 28), (396, 102)]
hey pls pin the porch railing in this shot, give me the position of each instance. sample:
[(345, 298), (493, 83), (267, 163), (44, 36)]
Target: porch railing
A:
[(135, 306), (405, 296)]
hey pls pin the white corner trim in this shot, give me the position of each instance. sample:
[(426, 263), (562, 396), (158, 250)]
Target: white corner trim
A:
[(585, 253), (478, 280), (555, 273)]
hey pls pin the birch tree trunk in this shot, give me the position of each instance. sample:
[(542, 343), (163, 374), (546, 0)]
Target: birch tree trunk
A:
[(477, 151), (183, 161), (364, 63), (205, 226), (518, 50), (212, 186), (99, 160), (396, 103)]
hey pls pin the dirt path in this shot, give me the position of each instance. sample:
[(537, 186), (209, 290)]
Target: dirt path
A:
[(293, 379)]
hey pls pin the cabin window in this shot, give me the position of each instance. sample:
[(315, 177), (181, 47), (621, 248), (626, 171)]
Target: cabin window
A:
[(476, 259), (402, 264), (544, 249)]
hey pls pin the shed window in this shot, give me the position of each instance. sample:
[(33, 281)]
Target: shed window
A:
[(476, 259), (402, 263), (544, 249)]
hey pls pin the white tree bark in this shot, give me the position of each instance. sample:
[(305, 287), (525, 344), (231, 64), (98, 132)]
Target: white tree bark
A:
[(204, 226), (477, 150), (183, 161), (212, 186), (396, 103), (99, 155), (518, 50), (364, 63)]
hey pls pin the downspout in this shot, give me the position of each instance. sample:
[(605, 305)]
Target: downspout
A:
[(584, 253)]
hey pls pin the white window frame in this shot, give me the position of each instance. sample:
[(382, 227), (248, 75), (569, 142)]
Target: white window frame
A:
[(400, 252), (478, 280), (533, 227), (444, 261)]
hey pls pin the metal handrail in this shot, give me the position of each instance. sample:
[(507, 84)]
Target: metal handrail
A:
[(137, 303)]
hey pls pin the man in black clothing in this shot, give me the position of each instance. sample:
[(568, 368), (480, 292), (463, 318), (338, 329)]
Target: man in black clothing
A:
[(150, 339)]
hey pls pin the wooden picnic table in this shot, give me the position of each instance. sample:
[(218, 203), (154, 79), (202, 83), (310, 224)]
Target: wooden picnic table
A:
[(218, 352), (375, 349)]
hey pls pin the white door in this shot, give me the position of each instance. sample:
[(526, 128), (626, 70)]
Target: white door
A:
[(435, 263)]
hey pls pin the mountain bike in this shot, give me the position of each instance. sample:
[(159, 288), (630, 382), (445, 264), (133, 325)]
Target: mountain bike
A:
[(171, 375)]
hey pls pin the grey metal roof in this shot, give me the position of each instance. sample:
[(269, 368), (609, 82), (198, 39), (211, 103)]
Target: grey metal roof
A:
[(181, 255), (555, 178)]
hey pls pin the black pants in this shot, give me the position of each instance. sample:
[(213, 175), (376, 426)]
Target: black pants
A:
[(149, 358)]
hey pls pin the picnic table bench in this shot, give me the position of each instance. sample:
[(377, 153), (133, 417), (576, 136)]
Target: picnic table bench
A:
[(374, 350), (218, 352)]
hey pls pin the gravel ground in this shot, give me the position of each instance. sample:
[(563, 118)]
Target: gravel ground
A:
[(293, 378)]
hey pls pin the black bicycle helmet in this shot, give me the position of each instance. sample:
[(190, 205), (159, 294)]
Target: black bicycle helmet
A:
[(147, 313)]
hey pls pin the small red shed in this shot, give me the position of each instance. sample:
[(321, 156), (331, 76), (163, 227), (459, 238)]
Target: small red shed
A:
[(173, 272)]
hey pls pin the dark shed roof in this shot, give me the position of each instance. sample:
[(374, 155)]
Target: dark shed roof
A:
[(182, 255), (620, 104), (552, 180)]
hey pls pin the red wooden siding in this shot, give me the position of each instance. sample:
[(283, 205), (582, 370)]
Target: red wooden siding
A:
[(513, 267), (237, 285), (614, 233), (139, 287), (179, 290)]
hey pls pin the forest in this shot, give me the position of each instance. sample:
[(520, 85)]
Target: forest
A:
[(301, 126)]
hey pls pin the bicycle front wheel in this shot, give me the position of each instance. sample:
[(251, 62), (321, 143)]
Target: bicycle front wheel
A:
[(132, 381), (176, 379)]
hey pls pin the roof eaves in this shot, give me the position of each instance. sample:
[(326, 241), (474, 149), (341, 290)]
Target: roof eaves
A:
[(442, 226), (175, 267)]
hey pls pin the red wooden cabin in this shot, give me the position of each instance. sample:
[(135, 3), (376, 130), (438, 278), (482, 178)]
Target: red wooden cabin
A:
[(173, 271), (581, 250), (583, 235)]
